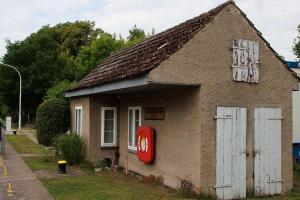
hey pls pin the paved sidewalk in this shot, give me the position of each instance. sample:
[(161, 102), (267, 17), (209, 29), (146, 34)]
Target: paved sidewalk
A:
[(25, 184)]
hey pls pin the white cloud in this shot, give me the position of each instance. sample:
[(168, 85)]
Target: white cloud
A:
[(275, 19)]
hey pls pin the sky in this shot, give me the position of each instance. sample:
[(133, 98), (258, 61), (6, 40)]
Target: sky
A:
[(276, 19)]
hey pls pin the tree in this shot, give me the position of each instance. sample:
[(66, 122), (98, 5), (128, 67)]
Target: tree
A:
[(136, 35), (72, 36), (91, 56), (296, 47), (53, 119), (58, 90), (52, 55), (43, 58)]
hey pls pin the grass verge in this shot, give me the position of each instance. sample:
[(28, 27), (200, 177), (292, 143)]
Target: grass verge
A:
[(23, 145), (105, 185), (89, 184)]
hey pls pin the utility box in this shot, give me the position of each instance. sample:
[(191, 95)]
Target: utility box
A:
[(8, 124)]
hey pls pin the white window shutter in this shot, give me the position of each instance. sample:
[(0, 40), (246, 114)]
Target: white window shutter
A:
[(245, 65)]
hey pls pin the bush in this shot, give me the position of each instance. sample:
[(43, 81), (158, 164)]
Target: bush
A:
[(52, 119), (106, 162), (71, 148), (58, 90), (206, 196), (186, 188), (87, 165)]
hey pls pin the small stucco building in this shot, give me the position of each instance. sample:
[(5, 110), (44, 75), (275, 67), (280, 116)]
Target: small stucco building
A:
[(295, 66), (217, 95)]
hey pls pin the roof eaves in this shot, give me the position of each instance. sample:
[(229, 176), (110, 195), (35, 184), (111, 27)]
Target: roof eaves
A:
[(266, 42)]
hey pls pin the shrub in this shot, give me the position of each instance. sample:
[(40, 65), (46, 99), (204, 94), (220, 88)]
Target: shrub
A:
[(58, 90), (52, 119), (206, 196), (71, 148), (186, 188), (105, 162), (87, 165)]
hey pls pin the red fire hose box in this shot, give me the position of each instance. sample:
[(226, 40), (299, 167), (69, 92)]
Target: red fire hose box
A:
[(145, 146)]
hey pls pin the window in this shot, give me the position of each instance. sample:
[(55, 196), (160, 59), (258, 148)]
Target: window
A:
[(78, 120), (109, 126), (134, 121), (245, 64)]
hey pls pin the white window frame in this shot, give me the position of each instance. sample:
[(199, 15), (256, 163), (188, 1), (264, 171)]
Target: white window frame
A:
[(78, 127), (114, 143), (133, 108)]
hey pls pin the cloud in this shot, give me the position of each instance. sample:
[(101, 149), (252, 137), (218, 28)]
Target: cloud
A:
[(277, 21)]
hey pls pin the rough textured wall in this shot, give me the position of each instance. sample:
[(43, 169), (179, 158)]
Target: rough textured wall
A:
[(177, 136), (207, 60), (96, 151), (83, 101), (91, 121)]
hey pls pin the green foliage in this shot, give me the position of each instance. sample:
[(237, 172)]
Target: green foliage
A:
[(58, 89), (106, 162), (53, 56), (53, 119), (136, 35), (72, 36), (91, 56), (43, 58), (296, 47), (85, 164), (206, 196), (71, 147)]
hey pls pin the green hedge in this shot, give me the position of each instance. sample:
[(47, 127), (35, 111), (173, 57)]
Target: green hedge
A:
[(71, 148), (52, 119)]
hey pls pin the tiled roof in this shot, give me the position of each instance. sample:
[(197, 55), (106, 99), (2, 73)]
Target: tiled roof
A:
[(148, 54)]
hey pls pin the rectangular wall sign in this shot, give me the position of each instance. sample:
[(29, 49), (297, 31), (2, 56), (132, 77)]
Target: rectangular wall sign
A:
[(157, 113)]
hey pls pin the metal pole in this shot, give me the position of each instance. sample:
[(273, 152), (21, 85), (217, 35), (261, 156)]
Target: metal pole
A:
[(20, 92)]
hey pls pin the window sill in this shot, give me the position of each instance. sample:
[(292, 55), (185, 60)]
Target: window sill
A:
[(109, 147), (132, 151)]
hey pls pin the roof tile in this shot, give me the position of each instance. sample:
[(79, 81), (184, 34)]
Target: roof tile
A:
[(143, 57)]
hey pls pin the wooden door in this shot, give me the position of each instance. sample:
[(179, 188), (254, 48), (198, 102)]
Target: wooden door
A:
[(231, 153), (267, 151)]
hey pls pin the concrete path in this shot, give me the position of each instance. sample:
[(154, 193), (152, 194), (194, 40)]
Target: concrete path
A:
[(24, 183)]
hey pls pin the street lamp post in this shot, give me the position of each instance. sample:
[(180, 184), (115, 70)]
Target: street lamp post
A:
[(20, 93)]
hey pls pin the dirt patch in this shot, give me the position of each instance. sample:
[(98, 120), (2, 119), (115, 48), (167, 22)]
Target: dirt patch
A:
[(73, 172)]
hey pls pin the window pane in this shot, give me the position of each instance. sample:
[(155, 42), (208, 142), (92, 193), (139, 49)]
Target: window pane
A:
[(109, 129), (79, 121), (137, 124), (109, 114), (108, 125), (108, 136), (130, 127), (137, 119), (76, 120)]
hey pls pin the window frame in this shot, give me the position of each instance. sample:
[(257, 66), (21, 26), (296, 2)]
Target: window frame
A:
[(79, 132), (133, 108), (114, 143)]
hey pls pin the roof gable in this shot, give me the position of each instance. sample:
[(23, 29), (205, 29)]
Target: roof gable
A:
[(143, 57), (148, 54)]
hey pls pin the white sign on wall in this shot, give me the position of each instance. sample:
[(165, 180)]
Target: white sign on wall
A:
[(245, 65)]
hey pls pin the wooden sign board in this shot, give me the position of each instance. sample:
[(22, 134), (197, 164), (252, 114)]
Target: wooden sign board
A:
[(157, 113)]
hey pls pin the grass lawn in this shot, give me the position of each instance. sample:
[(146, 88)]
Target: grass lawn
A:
[(41, 163), (102, 185), (87, 184), (105, 185), (23, 145)]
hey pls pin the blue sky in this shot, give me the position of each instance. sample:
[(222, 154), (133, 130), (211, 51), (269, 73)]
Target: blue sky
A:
[(276, 19)]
